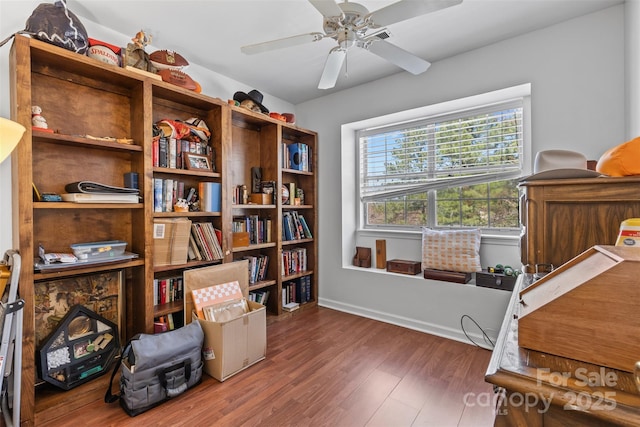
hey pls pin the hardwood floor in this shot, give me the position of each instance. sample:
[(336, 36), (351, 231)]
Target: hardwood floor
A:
[(328, 368)]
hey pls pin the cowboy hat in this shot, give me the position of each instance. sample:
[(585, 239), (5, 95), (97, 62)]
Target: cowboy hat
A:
[(560, 164), (254, 96)]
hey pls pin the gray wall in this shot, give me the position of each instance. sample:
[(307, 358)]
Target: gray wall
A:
[(577, 75)]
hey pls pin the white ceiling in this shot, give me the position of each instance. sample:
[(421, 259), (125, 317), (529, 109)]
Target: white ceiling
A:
[(210, 33)]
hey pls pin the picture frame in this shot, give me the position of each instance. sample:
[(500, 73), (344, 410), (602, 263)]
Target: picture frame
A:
[(194, 161), (99, 292)]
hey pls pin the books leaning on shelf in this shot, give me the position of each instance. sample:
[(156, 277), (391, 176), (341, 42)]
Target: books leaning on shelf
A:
[(167, 152), (257, 267), (167, 290), (166, 193), (295, 227), (259, 229), (205, 242)]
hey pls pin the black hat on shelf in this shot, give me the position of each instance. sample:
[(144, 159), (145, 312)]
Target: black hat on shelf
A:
[(254, 96)]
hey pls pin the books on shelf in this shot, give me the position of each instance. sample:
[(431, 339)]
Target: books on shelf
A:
[(210, 196), (259, 228), (260, 296), (166, 193), (290, 306), (297, 290), (297, 156), (168, 152), (294, 261), (205, 242), (168, 290), (295, 227), (257, 267)]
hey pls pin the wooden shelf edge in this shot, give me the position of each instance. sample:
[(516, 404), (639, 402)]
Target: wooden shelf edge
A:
[(297, 172), (253, 206), (184, 214), (71, 205), (190, 264), (88, 269), (253, 247), (176, 171), (296, 242), (261, 285), (41, 136), (168, 308), (295, 276)]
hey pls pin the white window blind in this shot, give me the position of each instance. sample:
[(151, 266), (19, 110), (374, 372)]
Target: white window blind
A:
[(468, 147)]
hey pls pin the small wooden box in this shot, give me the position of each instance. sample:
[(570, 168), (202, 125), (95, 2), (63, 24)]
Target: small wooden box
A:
[(447, 276), (404, 267), (495, 281), (240, 239), (261, 198)]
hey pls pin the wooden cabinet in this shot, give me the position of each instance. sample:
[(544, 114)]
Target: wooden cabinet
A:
[(83, 98), (541, 389), (563, 218)]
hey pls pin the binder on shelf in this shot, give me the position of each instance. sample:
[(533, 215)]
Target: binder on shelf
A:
[(210, 196)]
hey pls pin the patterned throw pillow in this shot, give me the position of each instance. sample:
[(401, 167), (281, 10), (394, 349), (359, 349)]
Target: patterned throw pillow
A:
[(451, 250)]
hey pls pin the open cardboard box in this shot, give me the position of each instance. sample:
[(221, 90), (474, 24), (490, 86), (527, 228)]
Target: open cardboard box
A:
[(229, 347)]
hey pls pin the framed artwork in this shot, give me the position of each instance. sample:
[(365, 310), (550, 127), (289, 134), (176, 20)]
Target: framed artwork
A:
[(196, 161), (99, 292)]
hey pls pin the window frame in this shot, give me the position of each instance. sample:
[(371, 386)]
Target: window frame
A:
[(468, 105)]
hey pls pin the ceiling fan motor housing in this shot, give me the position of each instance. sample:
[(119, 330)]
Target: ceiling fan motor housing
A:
[(349, 28)]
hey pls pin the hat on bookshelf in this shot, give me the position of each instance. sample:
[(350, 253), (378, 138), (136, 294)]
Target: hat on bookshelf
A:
[(254, 96), (560, 164)]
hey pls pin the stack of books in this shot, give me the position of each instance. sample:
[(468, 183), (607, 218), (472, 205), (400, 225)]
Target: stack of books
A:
[(94, 192)]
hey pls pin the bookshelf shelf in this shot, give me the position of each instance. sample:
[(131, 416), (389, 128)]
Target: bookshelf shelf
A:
[(47, 137), (75, 271), (297, 275), (69, 205), (186, 172), (287, 207), (261, 285), (168, 308), (190, 264), (185, 214), (253, 206), (254, 247), (297, 172), (296, 242)]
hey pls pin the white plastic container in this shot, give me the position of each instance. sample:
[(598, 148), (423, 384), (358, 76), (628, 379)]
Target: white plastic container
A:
[(99, 250)]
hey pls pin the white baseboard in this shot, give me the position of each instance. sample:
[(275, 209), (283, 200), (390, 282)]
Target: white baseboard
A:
[(417, 325)]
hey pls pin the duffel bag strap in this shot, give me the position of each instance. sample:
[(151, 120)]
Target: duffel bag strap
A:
[(162, 375), (109, 397)]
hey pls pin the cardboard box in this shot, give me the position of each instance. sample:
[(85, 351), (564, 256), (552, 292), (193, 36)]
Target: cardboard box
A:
[(229, 347), (170, 241)]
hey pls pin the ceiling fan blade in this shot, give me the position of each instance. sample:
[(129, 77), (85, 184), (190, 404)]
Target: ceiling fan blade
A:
[(332, 68), (399, 57), (406, 9), (281, 43), (328, 8)]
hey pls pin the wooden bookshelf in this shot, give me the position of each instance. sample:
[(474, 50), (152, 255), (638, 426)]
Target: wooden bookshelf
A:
[(82, 98)]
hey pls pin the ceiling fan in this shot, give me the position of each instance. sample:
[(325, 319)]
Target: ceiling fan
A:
[(351, 24)]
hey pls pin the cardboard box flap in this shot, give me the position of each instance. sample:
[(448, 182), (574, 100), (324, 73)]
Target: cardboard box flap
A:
[(199, 278)]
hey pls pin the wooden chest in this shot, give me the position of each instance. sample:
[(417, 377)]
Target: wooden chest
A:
[(404, 266)]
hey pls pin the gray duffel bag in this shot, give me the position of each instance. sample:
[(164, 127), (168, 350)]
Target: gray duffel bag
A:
[(155, 368)]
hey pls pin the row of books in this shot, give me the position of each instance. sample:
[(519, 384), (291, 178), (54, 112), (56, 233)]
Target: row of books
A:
[(167, 152), (257, 267), (295, 227), (297, 156), (204, 242), (260, 296), (294, 261), (297, 290), (166, 193), (242, 194), (259, 229), (165, 323), (167, 290)]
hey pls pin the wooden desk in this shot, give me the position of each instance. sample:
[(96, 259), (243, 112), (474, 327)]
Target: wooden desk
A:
[(540, 389)]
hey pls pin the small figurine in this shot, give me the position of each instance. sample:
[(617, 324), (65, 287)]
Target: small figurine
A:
[(36, 118), (141, 39)]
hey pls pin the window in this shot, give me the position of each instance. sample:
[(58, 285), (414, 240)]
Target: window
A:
[(451, 169)]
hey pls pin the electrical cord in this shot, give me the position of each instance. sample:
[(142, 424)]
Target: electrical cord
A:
[(486, 337)]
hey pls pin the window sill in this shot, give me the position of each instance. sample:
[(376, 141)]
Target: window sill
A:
[(492, 239)]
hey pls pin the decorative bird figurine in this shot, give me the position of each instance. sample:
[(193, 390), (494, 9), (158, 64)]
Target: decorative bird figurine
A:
[(36, 118)]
